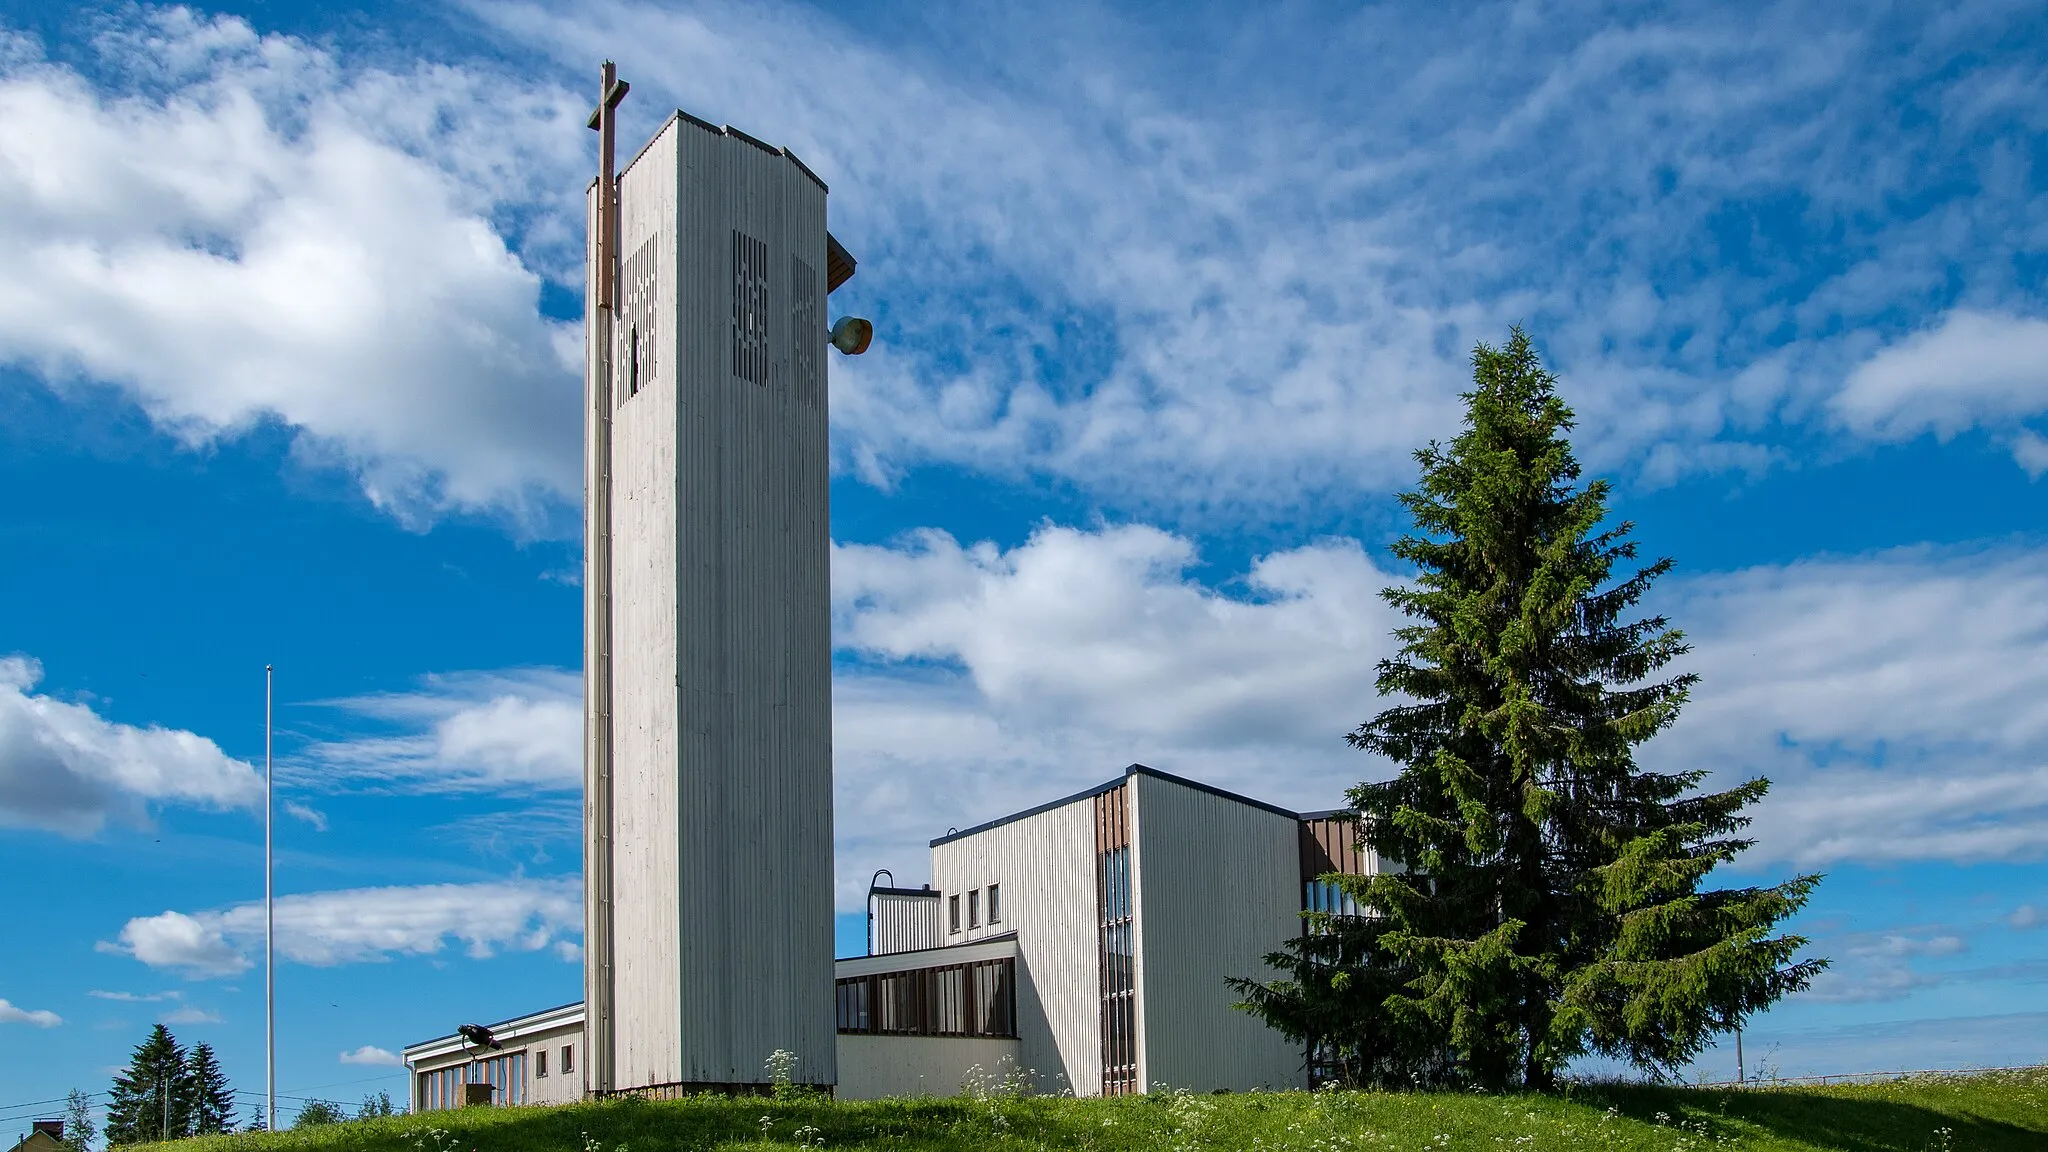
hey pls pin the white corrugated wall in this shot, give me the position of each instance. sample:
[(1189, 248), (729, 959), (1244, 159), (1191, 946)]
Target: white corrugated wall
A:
[(1046, 866), (722, 697), (1218, 886), (644, 657)]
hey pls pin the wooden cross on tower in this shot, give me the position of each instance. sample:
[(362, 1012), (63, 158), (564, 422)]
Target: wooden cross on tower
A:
[(604, 120)]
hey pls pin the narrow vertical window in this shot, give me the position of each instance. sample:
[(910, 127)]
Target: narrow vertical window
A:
[(953, 912), (568, 1059), (974, 908), (1118, 956), (540, 1063), (995, 904)]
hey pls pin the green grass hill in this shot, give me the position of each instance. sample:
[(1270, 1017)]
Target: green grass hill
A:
[(1987, 1112)]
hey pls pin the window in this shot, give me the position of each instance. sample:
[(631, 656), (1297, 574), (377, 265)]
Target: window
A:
[(953, 913), (975, 999), (568, 1059), (974, 908), (995, 904), (540, 1062)]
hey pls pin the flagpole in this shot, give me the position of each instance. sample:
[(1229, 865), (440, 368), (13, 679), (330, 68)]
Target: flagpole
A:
[(269, 926)]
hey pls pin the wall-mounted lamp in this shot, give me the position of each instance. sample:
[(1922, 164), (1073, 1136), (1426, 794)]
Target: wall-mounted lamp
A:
[(852, 335)]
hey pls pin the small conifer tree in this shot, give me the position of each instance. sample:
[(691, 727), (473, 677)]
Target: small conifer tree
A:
[(212, 1101), (152, 1099), (1551, 902)]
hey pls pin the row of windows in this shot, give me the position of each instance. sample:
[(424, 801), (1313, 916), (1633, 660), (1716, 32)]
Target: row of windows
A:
[(995, 908), (977, 999), (540, 1060), (445, 1088), (505, 1073)]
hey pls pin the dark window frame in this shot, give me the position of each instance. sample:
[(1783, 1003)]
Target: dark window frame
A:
[(977, 998)]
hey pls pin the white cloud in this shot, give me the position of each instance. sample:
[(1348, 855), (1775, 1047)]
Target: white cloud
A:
[(1972, 368), (66, 768), (461, 732), (1877, 966), (1176, 276), (359, 925), (190, 1014), (1899, 702), (39, 1018), (309, 815), (988, 681), (133, 997), (2030, 451), (2028, 916), (1896, 700), (239, 228), (1121, 269), (373, 1055)]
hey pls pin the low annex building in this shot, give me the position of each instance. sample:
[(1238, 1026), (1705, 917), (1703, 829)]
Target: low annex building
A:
[(1084, 943)]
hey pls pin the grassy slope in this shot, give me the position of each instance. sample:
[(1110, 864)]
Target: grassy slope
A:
[(1998, 1112)]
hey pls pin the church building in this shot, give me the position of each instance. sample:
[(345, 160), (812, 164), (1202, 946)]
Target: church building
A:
[(1082, 945)]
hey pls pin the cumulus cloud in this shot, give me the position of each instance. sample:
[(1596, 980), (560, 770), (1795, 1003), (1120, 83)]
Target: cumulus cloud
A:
[(373, 1055), (459, 732), (983, 681), (235, 228), (358, 925), (190, 1014), (65, 768), (1896, 700), (1972, 368), (39, 1018), (2028, 916), (2030, 451)]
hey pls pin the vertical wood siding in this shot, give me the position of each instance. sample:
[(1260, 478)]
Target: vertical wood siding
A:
[(722, 715), (645, 862), (1218, 885), (906, 923), (1045, 864)]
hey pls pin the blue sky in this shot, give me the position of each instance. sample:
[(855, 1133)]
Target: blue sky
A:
[(1165, 297)]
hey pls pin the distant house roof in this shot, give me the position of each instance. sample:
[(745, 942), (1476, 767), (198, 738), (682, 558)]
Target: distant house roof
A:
[(38, 1141), (510, 1030)]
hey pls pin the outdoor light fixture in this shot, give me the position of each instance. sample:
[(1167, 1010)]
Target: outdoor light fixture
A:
[(479, 1035), (852, 335)]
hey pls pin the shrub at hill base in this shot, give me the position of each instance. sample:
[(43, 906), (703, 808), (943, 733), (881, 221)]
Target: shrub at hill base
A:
[(1551, 901)]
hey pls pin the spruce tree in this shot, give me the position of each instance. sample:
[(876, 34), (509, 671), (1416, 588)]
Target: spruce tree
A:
[(1551, 902), (152, 1099), (212, 1101)]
